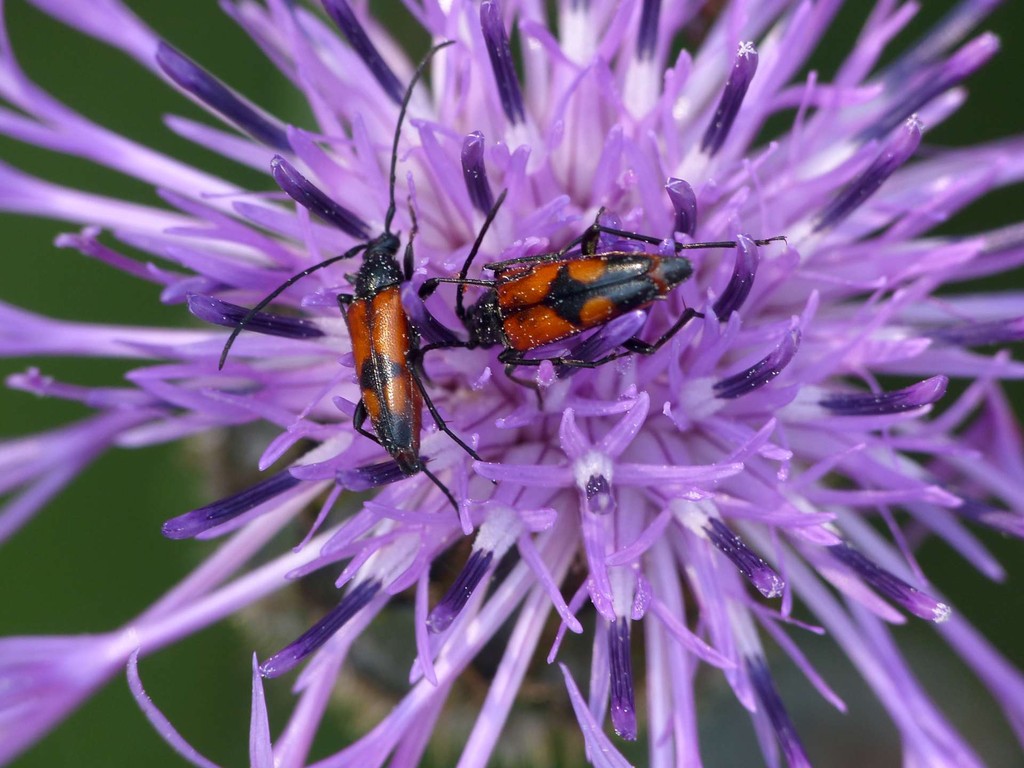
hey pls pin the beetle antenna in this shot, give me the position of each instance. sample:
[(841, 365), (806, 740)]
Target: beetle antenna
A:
[(398, 129), (460, 307), (277, 292)]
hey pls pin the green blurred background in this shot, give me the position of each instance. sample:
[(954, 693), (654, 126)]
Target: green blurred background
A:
[(95, 557)]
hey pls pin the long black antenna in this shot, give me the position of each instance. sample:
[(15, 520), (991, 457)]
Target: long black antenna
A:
[(277, 292), (417, 75), (398, 129), (460, 308)]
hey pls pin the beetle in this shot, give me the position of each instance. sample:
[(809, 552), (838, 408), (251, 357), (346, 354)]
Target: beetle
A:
[(534, 301), (384, 343)]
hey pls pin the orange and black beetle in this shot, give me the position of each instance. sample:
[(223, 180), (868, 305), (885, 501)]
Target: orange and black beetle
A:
[(539, 300), (385, 346)]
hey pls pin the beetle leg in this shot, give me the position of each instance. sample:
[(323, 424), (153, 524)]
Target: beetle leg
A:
[(441, 424), (441, 486), (430, 284), (358, 419), (408, 260), (643, 348)]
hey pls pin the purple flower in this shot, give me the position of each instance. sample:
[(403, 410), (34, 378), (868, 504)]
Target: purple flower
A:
[(837, 400)]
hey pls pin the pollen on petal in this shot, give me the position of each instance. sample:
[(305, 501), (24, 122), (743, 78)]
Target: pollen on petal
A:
[(892, 157), (743, 69), (891, 586)]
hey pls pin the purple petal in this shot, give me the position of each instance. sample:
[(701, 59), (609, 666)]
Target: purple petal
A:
[(312, 198), (192, 78), (605, 340), (762, 372), (891, 586), (430, 329), (981, 334), (623, 707), (475, 172), (460, 591), (357, 598), (218, 312), (599, 494), (159, 720), (742, 279), (500, 52), (261, 751), (885, 403), (684, 203), (773, 708), (743, 69), (203, 519), (342, 15), (760, 574), (1002, 520), (927, 84), (894, 155), (371, 475), (647, 34), (602, 753)]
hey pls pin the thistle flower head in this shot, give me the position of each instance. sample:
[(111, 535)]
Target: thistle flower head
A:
[(669, 485)]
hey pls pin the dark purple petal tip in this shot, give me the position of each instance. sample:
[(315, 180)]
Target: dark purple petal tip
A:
[(886, 403), (342, 15), (742, 279), (623, 706), (894, 155), (371, 476), (769, 700), (429, 328), (982, 334), (743, 69), (312, 198), (192, 78), (475, 173), (599, 495), (759, 374), (647, 35), (458, 593), (684, 202), (602, 342), (203, 519), (885, 583), (757, 571), (500, 52), (217, 312), (1002, 520), (354, 601)]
